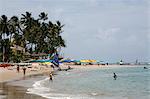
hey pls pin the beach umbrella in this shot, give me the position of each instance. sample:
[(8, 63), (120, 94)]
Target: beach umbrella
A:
[(67, 60), (92, 61), (42, 60), (83, 61), (76, 60), (47, 63)]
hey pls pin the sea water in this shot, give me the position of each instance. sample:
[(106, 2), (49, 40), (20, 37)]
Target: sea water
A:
[(96, 83)]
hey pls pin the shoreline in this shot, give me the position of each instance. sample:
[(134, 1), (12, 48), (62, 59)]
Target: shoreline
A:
[(100, 66), (16, 88), (9, 76), (10, 90), (11, 73)]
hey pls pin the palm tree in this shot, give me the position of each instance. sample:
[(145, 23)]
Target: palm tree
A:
[(46, 37), (9, 28), (4, 30), (55, 40), (43, 16), (28, 23), (14, 26)]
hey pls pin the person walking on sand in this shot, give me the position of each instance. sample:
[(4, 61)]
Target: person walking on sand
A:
[(24, 71), (50, 76), (18, 68), (115, 76)]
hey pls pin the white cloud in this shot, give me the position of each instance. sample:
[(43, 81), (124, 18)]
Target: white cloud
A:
[(107, 34), (111, 23)]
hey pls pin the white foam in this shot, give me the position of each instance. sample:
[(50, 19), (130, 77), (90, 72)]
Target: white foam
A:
[(38, 87), (40, 90), (94, 93)]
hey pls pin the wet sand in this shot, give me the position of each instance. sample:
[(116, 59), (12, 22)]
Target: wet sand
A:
[(10, 91)]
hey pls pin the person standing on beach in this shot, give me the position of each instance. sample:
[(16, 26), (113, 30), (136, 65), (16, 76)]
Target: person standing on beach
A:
[(115, 76), (24, 71), (18, 68)]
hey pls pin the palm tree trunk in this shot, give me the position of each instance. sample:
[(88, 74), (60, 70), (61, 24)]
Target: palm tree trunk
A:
[(3, 53)]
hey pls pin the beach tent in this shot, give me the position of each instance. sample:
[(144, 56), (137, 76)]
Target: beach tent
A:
[(76, 60), (92, 61), (46, 63), (67, 60), (88, 61), (42, 60)]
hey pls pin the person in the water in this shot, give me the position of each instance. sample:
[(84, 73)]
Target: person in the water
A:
[(69, 67), (145, 68), (51, 76), (115, 76)]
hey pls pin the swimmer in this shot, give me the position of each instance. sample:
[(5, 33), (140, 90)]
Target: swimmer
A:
[(115, 76), (50, 76), (145, 68)]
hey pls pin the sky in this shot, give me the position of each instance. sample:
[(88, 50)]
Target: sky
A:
[(106, 30)]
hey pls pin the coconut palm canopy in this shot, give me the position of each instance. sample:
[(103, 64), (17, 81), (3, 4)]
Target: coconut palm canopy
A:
[(32, 35)]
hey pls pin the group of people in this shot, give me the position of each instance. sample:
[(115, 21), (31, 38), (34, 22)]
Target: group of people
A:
[(24, 70), (51, 75)]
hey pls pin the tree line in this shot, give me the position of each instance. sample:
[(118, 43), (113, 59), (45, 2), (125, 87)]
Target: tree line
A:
[(35, 35)]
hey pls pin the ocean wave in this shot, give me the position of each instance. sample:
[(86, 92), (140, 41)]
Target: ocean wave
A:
[(95, 84), (39, 89)]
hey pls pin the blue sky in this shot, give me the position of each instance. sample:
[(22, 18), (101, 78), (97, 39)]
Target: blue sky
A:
[(107, 30)]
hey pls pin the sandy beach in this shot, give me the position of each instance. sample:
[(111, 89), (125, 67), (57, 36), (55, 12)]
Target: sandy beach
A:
[(9, 75)]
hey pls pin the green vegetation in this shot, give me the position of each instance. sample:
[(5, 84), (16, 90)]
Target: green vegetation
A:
[(27, 35)]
